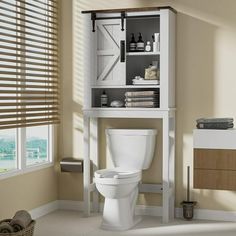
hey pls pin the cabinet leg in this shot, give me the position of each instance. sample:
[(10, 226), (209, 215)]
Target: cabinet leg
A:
[(172, 166), (94, 157), (168, 169), (86, 166)]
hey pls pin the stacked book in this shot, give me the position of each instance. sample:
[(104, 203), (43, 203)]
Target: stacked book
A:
[(142, 99), (215, 123)]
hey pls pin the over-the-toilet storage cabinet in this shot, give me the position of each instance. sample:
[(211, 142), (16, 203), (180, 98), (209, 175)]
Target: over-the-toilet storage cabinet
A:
[(110, 67)]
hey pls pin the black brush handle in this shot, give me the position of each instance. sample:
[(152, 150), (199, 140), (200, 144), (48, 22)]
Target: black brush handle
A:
[(122, 50), (188, 183)]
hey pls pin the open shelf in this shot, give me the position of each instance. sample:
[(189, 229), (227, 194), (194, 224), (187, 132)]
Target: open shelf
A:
[(136, 65), (115, 93)]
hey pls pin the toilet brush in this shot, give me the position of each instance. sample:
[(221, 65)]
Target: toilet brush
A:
[(188, 183), (188, 206)]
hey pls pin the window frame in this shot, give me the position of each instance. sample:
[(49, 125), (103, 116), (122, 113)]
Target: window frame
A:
[(21, 167)]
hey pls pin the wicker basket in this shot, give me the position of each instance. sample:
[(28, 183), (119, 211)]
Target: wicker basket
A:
[(29, 231)]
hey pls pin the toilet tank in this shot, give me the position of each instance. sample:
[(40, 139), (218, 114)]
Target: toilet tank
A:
[(131, 148)]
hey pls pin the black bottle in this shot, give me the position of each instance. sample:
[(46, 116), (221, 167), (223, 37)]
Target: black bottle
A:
[(140, 43), (104, 99), (132, 44)]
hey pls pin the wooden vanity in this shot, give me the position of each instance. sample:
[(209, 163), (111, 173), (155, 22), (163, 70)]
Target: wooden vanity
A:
[(215, 159)]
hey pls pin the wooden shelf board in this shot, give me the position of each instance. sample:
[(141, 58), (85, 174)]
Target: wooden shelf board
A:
[(129, 9)]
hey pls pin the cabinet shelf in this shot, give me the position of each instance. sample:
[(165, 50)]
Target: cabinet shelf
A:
[(127, 109), (142, 53), (123, 112), (126, 86)]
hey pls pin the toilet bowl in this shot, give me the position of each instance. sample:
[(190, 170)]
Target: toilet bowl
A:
[(131, 151), (120, 189)]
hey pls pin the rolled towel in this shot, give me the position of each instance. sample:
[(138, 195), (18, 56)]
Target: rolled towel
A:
[(5, 227), (21, 220)]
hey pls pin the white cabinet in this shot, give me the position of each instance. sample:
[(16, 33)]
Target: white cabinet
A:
[(114, 66), (110, 66)]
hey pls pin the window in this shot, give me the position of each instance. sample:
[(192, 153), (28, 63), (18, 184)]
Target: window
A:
[(37, 145), (25, 147), (29, 97), (8, 158)]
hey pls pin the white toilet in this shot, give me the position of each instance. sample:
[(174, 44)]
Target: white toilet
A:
[(131, 152)]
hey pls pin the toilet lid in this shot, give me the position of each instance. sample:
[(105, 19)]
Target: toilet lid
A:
[(117, 173)]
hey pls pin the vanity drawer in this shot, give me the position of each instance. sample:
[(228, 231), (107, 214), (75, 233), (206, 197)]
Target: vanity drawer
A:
[(215, 179), (216, 159), (214, 154)]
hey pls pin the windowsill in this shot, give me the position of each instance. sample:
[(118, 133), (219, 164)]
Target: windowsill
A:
[(28, 169)]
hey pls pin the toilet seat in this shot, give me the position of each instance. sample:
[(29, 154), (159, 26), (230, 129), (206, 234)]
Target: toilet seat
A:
[(117, 176), (116, 173)]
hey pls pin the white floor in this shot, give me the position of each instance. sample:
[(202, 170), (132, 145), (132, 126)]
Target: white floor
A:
[(72, 223)]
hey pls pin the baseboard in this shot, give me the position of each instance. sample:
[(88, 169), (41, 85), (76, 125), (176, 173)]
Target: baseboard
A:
[(70, 205), (204, 214), (148, 210), (199, 214), (139, 210), (44, 209)]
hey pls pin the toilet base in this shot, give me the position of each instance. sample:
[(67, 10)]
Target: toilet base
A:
[(105, 226), (118, 214)]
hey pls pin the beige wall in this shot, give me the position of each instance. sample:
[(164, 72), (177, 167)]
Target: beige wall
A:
[(70, 138), (205, 86), (27, 191)]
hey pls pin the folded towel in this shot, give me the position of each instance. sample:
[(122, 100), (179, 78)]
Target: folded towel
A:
[(5, 227), (214, 120), (21, 220), (141, 93), (141, 104), (215, 125), (141, 99), (145, 82)]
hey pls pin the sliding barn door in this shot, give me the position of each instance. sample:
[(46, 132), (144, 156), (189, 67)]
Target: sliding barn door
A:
[(110, 58)]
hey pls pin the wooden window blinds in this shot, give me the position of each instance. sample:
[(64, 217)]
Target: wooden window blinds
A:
[(29, 86)]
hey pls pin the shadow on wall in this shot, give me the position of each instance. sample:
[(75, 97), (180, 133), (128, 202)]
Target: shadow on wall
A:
[(194, 86), (218, 13)]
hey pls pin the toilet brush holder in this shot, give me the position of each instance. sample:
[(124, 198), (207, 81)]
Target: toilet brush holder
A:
[(188, 209), (188, 206)]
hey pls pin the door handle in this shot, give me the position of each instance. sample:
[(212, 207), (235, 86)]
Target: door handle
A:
[(122, 50)]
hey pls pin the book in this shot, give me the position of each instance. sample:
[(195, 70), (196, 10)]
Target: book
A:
[(215, 125), (218, 120), (140, 93)]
